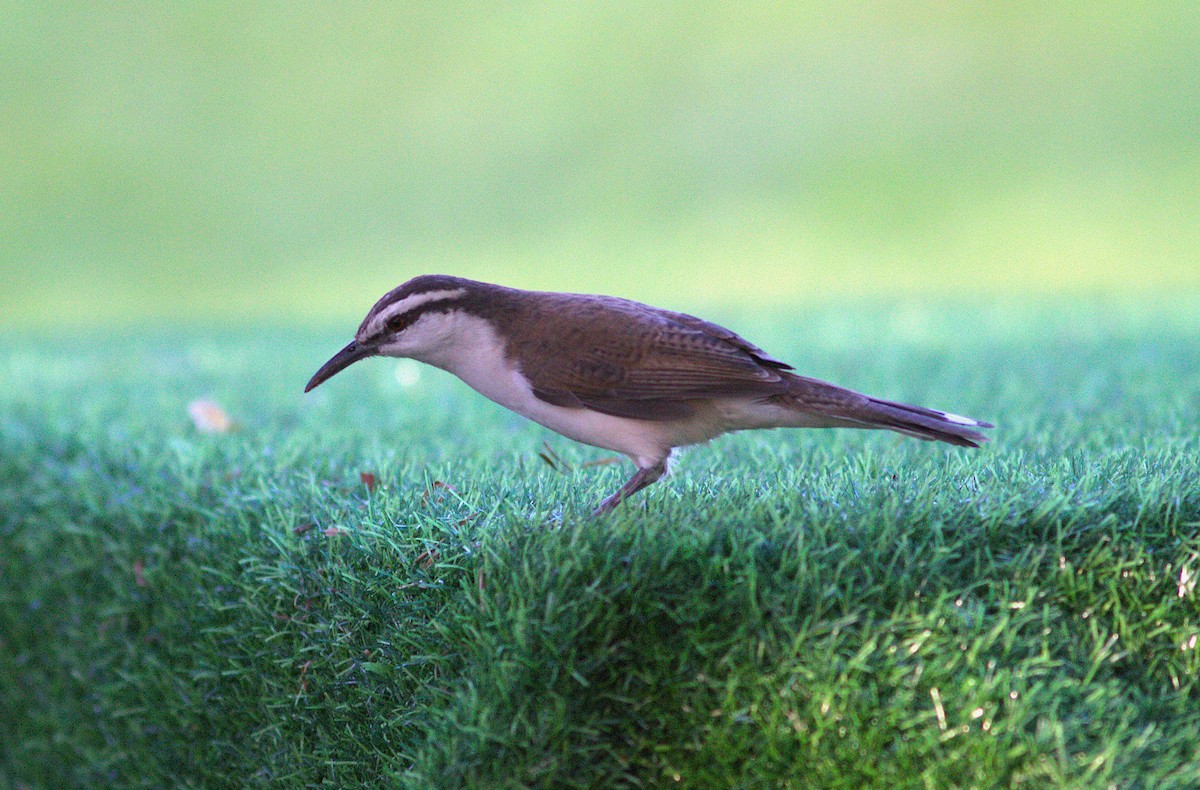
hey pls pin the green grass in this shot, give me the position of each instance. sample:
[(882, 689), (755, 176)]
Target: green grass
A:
[(802, 609)]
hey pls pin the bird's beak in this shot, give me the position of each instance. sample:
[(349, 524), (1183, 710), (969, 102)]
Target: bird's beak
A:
[(340, 361)]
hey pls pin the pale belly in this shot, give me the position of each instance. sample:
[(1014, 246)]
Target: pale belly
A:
[(646, 442)]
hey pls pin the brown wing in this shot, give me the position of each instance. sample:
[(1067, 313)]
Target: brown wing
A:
[(632, 360)]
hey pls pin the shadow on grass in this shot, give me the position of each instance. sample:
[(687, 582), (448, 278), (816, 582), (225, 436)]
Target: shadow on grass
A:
[(655, 651)]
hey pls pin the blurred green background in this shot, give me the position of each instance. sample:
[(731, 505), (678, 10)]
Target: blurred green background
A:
[(290, 162)]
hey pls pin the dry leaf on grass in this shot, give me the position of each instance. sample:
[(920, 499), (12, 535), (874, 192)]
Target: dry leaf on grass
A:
[(209, 417)]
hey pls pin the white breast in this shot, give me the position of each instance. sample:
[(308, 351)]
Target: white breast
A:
[(476, 355)]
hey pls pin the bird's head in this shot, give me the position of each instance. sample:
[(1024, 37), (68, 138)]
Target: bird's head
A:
[(412, 320)]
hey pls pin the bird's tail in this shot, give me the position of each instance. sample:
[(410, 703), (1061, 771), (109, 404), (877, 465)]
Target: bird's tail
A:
[(843, 407)]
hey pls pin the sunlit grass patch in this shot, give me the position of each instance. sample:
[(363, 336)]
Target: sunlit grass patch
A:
[(384, 583)]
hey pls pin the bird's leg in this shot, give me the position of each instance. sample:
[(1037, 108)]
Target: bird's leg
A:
[(643, 477)]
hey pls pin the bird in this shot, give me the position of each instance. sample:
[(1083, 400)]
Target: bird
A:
[(615, 373)]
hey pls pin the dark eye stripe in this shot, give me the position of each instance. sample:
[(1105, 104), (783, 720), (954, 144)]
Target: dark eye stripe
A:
[(406, 319)]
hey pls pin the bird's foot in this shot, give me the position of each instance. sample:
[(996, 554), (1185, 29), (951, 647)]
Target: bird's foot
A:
[(642, 478)]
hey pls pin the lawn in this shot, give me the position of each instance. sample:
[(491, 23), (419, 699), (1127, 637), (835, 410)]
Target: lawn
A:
[(392, 582)]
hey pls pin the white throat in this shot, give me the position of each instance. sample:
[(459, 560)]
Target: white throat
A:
[(463, 344)]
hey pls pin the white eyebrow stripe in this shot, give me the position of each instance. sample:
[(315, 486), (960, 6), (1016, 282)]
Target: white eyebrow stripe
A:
[(414, 301), (374, 323)]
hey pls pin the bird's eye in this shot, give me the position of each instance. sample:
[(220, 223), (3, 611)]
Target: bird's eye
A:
[(397, 322)]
